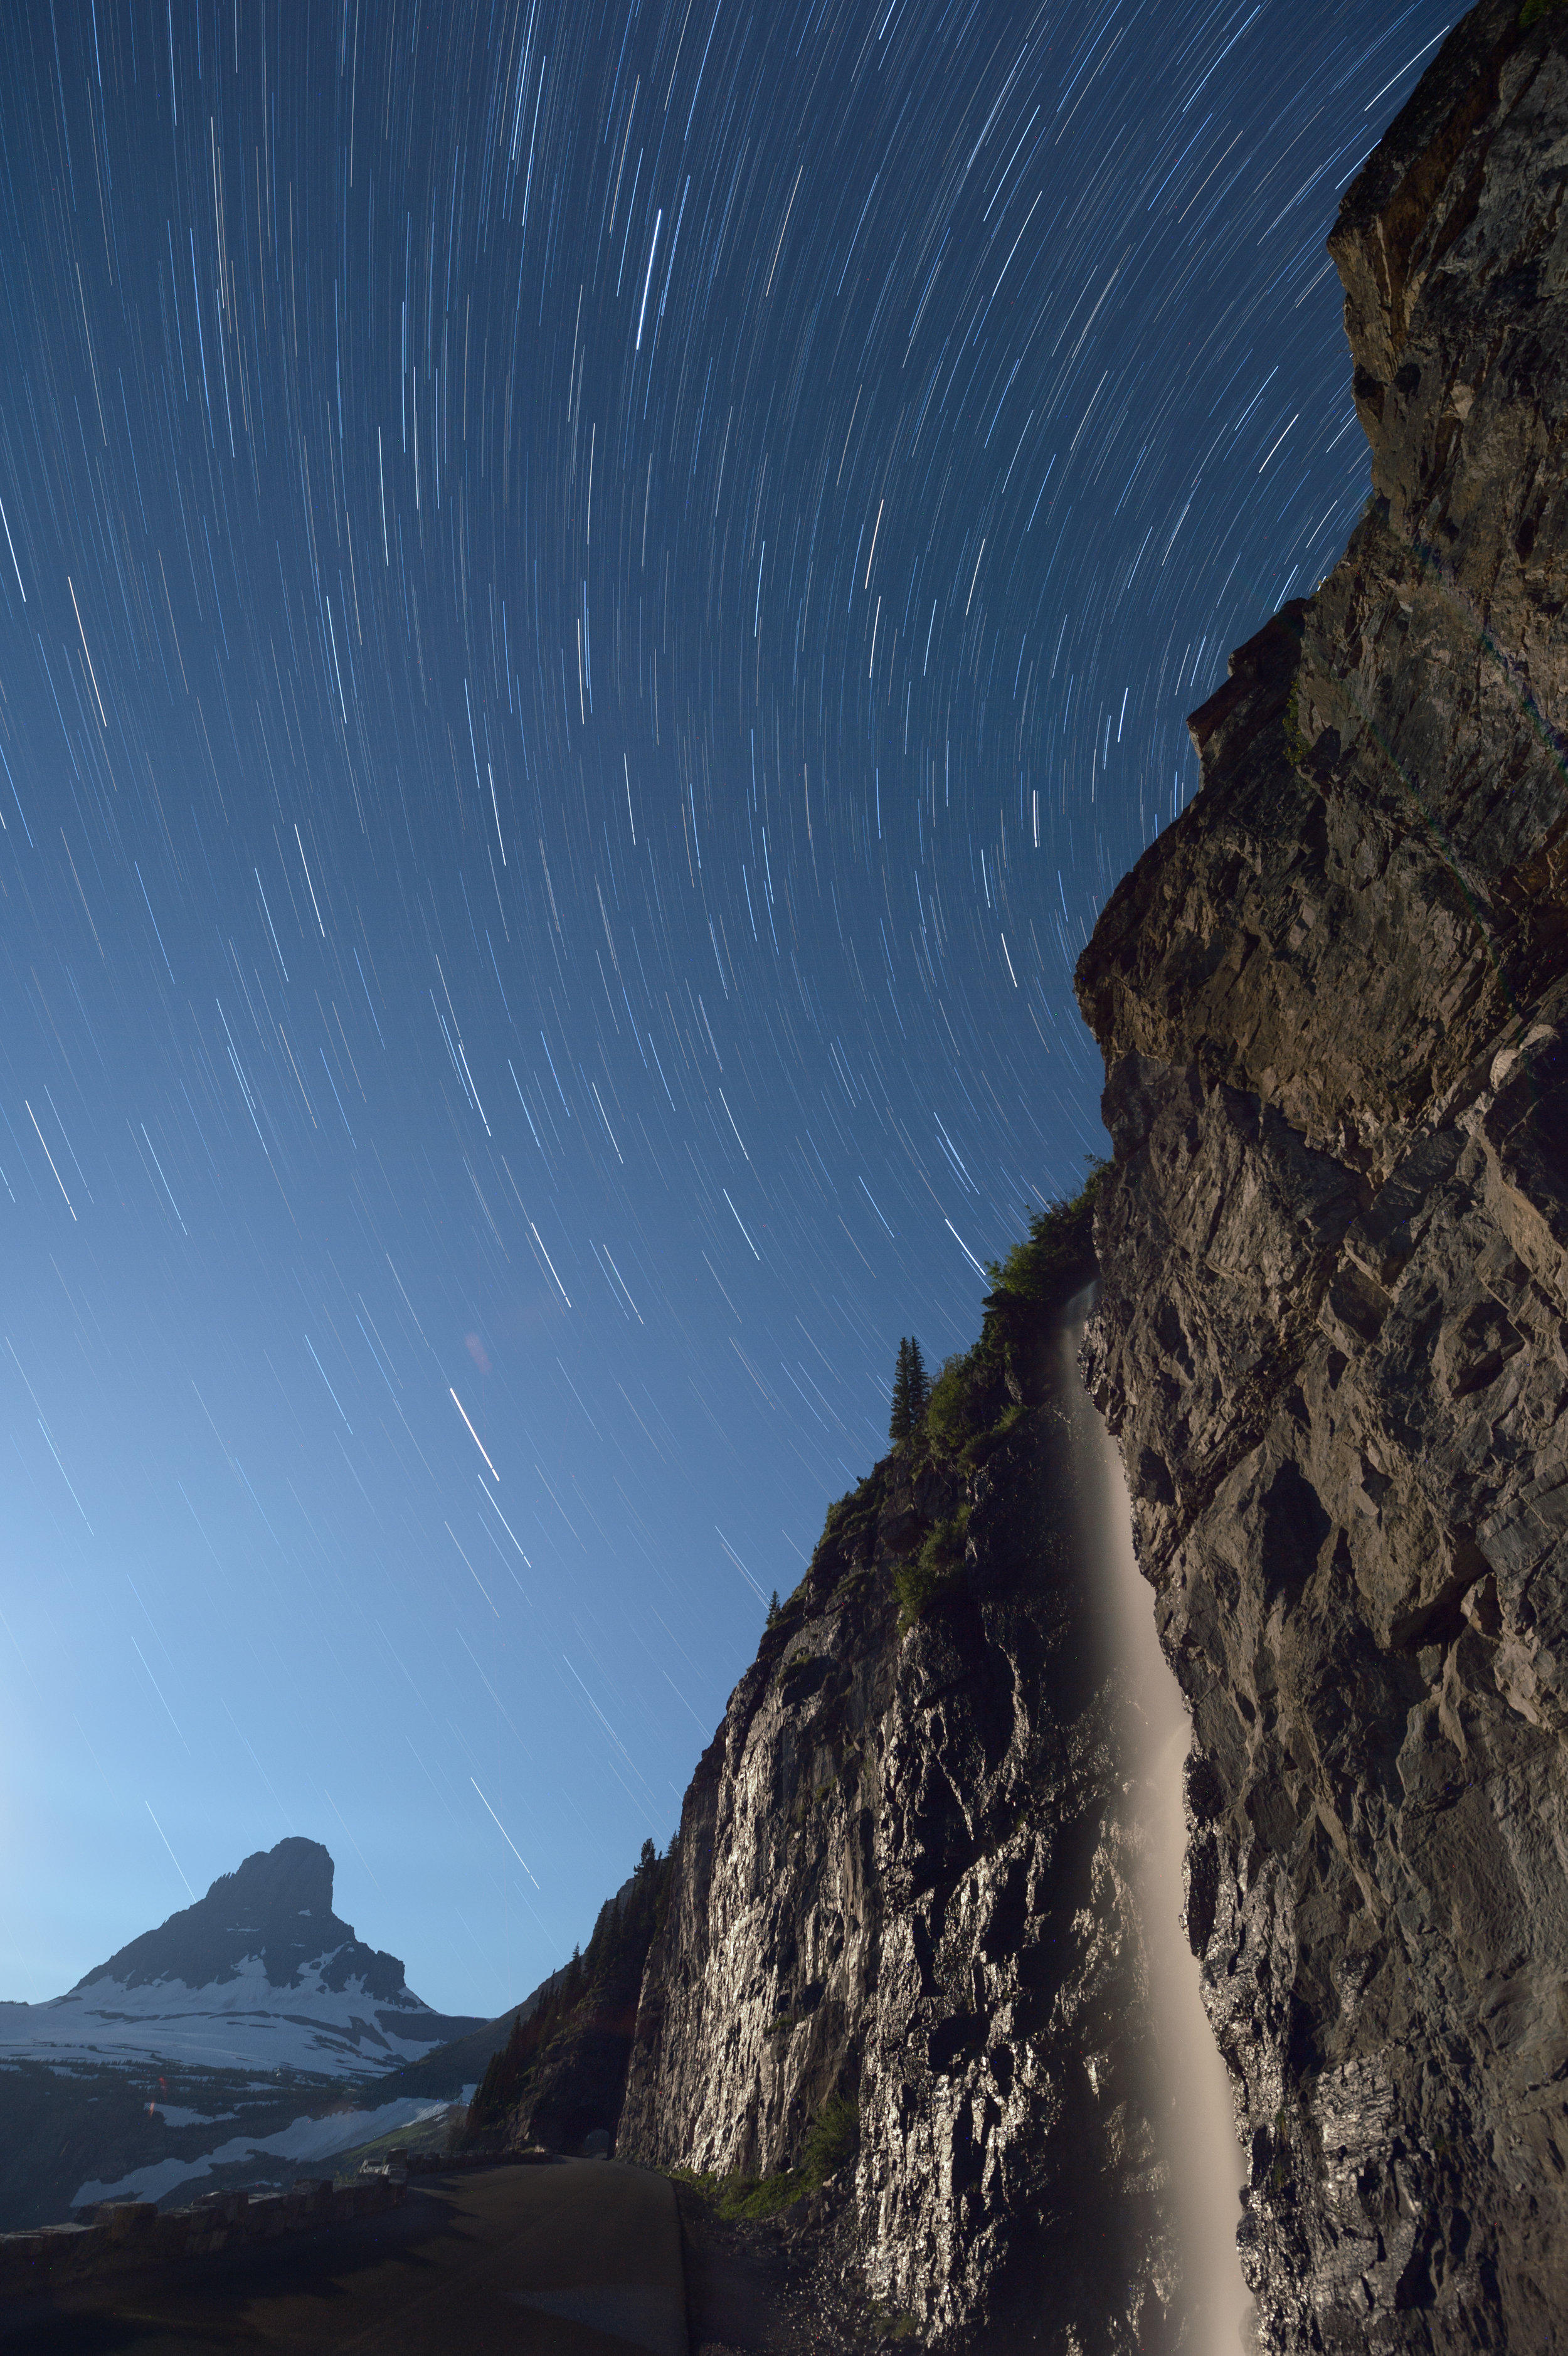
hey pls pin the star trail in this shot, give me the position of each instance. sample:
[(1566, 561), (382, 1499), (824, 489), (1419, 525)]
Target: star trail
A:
[(593, 599)]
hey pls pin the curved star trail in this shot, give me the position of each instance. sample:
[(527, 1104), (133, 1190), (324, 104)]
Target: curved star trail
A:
[(592, 601)]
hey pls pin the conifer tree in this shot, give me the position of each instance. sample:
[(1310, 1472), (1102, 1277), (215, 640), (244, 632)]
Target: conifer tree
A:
[(912, 1391), (919, 1383), (900, 1423)]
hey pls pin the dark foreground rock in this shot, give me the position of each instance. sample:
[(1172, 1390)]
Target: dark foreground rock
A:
[(783, 2286), (134, 2237), (559, 2259), (1333, 1001)]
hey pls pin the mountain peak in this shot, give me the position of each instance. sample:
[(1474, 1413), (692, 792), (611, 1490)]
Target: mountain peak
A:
[(276, 1906), (276, 1885), (260, 1972)]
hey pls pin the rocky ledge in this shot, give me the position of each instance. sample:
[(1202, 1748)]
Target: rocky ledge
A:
[(1333, 1001)]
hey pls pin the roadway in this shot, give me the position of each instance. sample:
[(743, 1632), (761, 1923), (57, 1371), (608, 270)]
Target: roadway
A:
[(569, 2258)]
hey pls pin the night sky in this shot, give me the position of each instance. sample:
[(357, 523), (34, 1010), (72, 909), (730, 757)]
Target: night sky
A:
[(594, 598)]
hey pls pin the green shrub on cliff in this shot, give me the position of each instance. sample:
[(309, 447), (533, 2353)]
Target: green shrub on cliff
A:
[(1056, 1255), (971, 1404), (979, 1398), (935, 1570), (832, 2140), (1298, 744), (948, 1415), (852, 1517)]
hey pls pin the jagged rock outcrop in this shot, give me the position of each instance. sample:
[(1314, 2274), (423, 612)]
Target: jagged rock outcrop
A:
[(1333, 1000), (902, 1880)]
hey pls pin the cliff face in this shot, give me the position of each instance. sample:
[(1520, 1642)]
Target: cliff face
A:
[(1333, 1001), (900, 1880)]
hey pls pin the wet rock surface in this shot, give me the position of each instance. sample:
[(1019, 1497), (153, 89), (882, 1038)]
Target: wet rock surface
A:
[(902, 1879), (1333, 1001)]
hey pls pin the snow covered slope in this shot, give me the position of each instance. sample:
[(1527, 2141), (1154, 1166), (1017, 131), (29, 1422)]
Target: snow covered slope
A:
[(260, 1974), (305, 2138)]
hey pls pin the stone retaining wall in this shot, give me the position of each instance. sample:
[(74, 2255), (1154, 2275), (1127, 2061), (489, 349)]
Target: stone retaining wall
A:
[(125, 2234)]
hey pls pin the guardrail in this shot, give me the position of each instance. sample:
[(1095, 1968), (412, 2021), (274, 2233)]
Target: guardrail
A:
[(398, 2165)]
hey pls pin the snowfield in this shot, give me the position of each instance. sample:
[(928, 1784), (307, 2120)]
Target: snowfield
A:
[(307, 2139), (244, 2021)]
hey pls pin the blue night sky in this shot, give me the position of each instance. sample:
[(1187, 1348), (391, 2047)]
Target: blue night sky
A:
[(594, 598)]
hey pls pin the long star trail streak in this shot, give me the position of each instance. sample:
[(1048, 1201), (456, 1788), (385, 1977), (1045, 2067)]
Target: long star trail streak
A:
[(816, 466)]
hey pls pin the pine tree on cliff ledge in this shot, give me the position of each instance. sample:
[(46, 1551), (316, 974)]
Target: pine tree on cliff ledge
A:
[(912, 1391)]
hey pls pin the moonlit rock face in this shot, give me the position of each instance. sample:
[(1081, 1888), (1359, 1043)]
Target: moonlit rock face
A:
[(260, 1973), (1334, 1249)]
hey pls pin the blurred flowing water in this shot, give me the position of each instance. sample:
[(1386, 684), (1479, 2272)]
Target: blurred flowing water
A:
[(1190, 2104)]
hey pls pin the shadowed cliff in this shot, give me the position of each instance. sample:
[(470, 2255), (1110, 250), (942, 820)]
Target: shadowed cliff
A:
[(1332, 1000), (561, 2075)]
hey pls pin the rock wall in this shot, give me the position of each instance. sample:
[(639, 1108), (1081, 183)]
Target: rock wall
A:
[(902, 1878), (1333, 1001), (130, 2236)]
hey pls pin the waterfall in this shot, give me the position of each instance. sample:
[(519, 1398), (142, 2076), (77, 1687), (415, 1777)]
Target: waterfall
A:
[(1191, 2106)]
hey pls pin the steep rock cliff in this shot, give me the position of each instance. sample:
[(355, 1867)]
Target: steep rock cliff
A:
[(901, 1880), (1333, 1001)]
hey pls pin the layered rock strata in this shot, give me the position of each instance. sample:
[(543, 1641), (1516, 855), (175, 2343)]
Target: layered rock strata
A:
[(1333, 1001), (902, 1881)]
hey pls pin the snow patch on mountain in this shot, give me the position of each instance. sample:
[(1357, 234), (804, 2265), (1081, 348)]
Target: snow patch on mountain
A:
[(307, 2138), (243, 2022)]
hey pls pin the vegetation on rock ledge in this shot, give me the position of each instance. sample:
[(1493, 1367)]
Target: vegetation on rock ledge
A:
[(944, 1431), (831, 2142)]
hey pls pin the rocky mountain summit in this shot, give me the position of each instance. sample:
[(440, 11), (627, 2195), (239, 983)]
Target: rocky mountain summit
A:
[(260, 1972), (1333, 1002), (277, 1906)]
